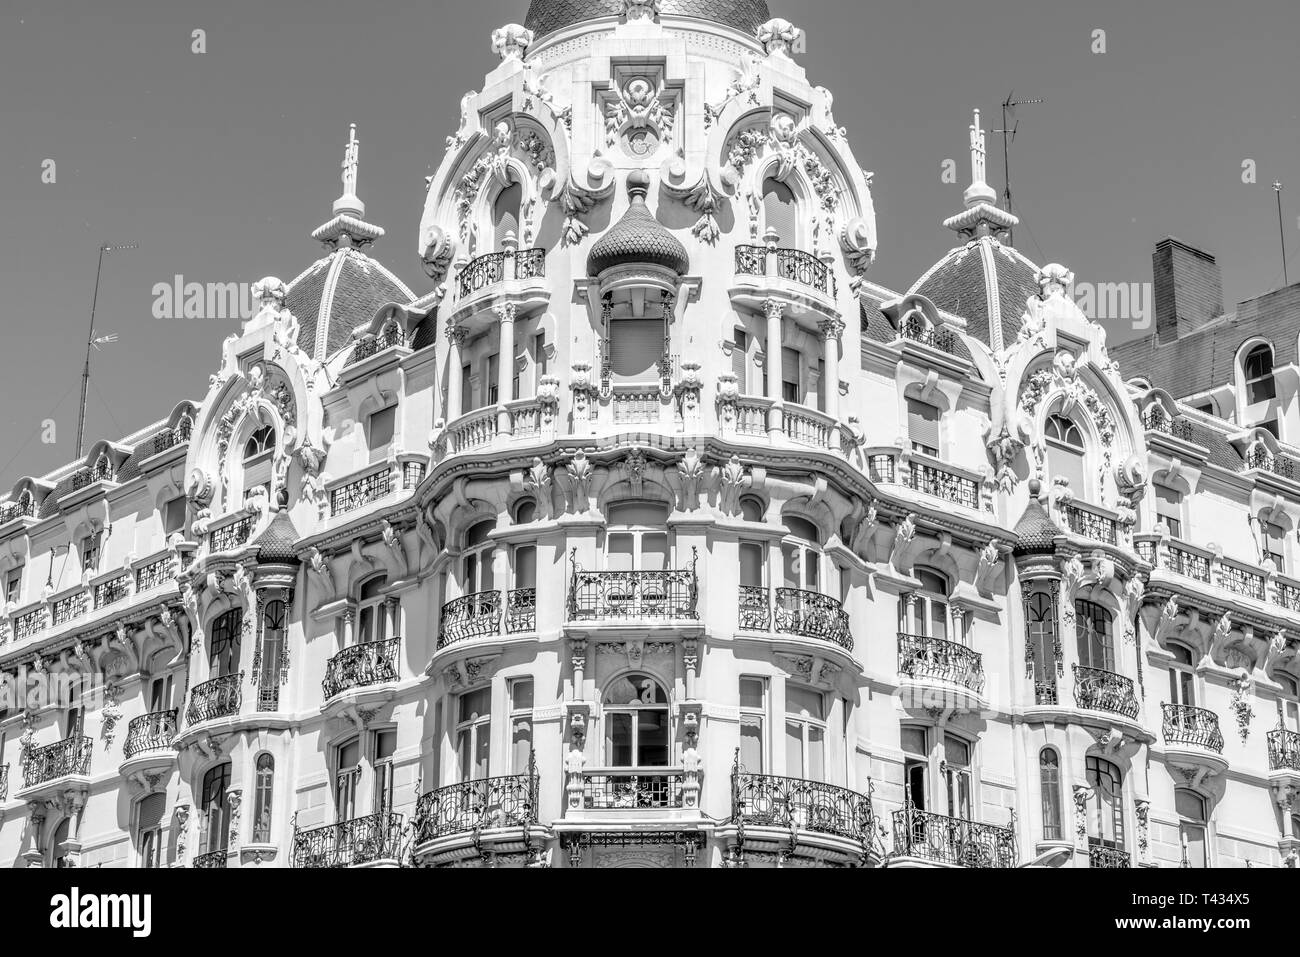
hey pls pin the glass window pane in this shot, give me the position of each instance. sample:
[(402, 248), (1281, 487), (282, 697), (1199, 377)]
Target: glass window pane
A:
[(652, 739), (913, 740), (751, 564), (482, 741), (618, 739), (476, 704), (751, 742), (525, 566), (794, 766), (803, 701), (938, 619), (521, 694), (790, 566), (654, 552), (618, 556), (385, 744), (816, 754), (521, 745), (751, 692), (956, 751), (349, 755)]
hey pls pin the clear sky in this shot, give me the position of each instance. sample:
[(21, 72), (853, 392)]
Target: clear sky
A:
[(219, 164)]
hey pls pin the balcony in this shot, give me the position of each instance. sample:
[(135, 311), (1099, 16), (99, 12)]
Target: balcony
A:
[(492, 269), (639, 789), (232, 535), (793, 804), (1261, 459), (472, 807), (150, 732), (1188, 727), (805, 426), (1098, 690), (943, 484), (102, 472), (29, 624), (211, 860), (1284, 757), (218, 698), (1092, 525), (371, 345), (63, 759), (153, 575), (952, 841), (171, 438), (1156, 419), (370, 840), (933, 659), (112, 591), (789, 265), (470, 616), (12, 510), (1241, 580), (1103, 855), (361, 666), (360, 493), (67, 609), (916, 330), (521, 611), (811, 614), (633, 596)]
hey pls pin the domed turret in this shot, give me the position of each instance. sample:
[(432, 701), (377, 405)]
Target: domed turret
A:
[(637, 239), (548, 16)]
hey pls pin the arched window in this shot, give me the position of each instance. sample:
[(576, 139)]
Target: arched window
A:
[(781, 212), (1182, 678), (526, 512), (1049, 784), (372, 620), (1257, 370), (957, 778), (223, 648), (258, 453), (1065, 453), (926, 613), (505, 214), (1040, 612), (1092, 632), (58, 845), (637, 537), (1105, 804), (1288, 706), (636, 723), (149, 829), (270, 652), (751, 509), (801, 554), (263, 792), (1191, 827), (215, 810), (476, 562)]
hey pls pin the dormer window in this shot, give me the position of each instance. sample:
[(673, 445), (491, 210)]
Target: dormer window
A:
[(1258, 371), (1275, 545), (923, 427), (1065, 450), (258, 452), (781, 212), (505, 214), (1169, 509)]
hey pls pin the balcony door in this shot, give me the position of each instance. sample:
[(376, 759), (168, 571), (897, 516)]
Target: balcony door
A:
[(1105, 804), (637, 538), (347, 780), (1096, 644), (957, 776), (476, 563), (271, 650), (474, 733), (224, 645), (1182, 679), (215, 809), (805, 733), (1288, 706), (1192, 828), (927, 614), (372, 622), (636, 723), (160, 694), (801, 555)]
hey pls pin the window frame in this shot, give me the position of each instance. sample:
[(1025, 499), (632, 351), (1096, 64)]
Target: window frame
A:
[(1084, 623), (758, 716), (476, 730), (807, 724), (633, 710), (1253, 381), (1049, 794), (263, 797)]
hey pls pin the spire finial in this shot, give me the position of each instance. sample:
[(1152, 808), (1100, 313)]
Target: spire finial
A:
[(981, 217), (348, 227), (979, 190), (349, 202)]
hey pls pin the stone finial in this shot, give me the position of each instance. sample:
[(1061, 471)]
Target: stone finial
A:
[(348, 202), (779, 37), (979, 190), (270, 291), (1053, 278), (640, 9), (512, 41)]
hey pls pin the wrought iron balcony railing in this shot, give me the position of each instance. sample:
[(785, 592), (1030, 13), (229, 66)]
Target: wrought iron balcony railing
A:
[(793, 265), (1156, 419), (1198, 727), (1283, 750), (360, 666), (521, 610), (1241, 581), (362, 492), (231, 536), (153, 575), (1188, 563), (914, 329), (150, 732), (112, 591), (369, 345), (662, 595), (641, 789), (1261, 458), (101, 472), (29, 623), (25, 508), (940, 483), (1288, 595), (4, 782), (1103, 855), (882, 468), (1099, 690), (470, 616), (362, 840), (952, 840), (936, 658), (492, 268), (755, 613), (66, 609), (211, 860), (60, 759), (812, 615), (412, 474), (218, 698), (172, 437), (766, 800), (470, 806), (1089, 524)]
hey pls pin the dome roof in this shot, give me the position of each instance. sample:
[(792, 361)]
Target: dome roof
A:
[(987, 284), (338, 293), (638, 238), (275, 543), (547, 16), (1035, 532)]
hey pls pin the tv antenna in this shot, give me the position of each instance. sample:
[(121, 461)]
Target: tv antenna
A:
[(93, 341), (1277, 188), (1008, 134)]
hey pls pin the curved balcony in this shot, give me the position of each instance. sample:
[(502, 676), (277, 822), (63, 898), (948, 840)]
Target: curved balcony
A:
[(926, 659), (491, 269), (1103, 855), (1098, 690), (50, 766), (811, 614), (1284, 757), (218, 698), (470, 616), (521, 610), (211, 860), (462, 820), (373, 840), (952, 841), (823, 815), (362, 666), (794, 267), (633, 596), (638, 789), (1194, 727), (939, 482), (148, 745)]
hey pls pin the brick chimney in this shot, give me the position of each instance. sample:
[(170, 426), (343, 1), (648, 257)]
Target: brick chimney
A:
[(1188, 288)]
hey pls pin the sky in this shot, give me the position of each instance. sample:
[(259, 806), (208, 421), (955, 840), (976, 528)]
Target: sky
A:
[(219, 164)]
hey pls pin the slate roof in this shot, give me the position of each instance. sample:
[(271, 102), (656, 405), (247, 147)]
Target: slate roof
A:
[(336, 294), (957, 284), (1035, 532), (547, 16), (276, 541), (638, 238)]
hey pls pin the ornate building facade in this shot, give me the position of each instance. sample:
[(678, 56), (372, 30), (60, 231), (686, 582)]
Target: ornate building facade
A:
[(547, 566)]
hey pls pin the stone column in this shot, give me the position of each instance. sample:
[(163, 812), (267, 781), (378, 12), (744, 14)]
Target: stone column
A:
[(773, 358), (456, 341), (832, 330), (505, 364)]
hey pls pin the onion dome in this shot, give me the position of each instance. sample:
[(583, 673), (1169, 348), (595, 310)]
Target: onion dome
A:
[(334, 295), (638, 239), (1035, 532), (547, 16), (275, 545)]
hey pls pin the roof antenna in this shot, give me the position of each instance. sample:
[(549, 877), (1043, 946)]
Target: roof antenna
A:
[(92, 341), (1008, 134), (1281, 231)]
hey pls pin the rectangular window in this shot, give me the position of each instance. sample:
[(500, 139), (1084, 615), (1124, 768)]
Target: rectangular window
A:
[(790, 380), (753, 724), (957, 776), (493, 372), (805, 734), (174, 516), (916, 764), (382, 425), (385, 745), (636, 346), (1275, 536), (525, 566), (1169, 509), (14, 585), (923, 427), (466, 390), (473, 733), (90, 552), (752, 563), (346, 780), (521, 725), (739, 357), (74, 714), (149, 829), (160, 694), (539, 359)]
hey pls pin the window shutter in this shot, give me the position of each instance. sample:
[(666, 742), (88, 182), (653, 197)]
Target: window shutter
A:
[(739, 357), (152, 809), (466, 391), (258, 472), (381, 429), (780, 212), (636, 347), (505, 213), (790, 370), (922, 424)]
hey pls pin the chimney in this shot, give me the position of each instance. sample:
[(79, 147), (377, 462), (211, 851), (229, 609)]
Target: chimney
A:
[(1188, 288)]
